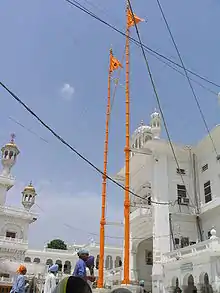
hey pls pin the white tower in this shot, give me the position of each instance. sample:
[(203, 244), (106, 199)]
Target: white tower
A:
[(155, 124), (28, 196), (9, 154)]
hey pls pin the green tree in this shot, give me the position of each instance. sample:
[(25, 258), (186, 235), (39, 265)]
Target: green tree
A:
[(57, 244)]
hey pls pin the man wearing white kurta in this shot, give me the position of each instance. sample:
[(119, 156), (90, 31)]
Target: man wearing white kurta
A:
[(50, 281)]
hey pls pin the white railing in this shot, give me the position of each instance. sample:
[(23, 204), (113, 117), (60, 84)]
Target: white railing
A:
[(142, 211), (6, 280), (13, 240), (211, 245)]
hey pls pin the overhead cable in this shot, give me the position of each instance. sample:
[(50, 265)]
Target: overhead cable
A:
[(187, 77), (157, 97), (150, 51), (54, 133)]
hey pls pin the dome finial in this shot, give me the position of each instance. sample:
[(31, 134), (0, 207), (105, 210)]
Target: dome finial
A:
[(13, 138), (142, 122)]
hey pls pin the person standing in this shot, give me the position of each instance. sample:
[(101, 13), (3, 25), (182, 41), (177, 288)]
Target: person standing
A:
[(140, 288), (50, 281), (80, 267), (19, 283), (90, 264)]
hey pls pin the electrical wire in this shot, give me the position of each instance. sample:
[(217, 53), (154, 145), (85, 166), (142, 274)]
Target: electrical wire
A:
[(148, 49), (157, 98), (187, 77), (55, 134), (28, 129)]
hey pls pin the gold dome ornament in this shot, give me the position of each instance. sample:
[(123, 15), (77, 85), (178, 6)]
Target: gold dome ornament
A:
[(29, 188), (12, 142)]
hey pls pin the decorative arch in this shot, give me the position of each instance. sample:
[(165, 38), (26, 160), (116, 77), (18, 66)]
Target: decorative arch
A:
[(27, 259), (60, 265), (49, 262), (108, 262), (67, 267), (175, 285), (36, 260), (206, 287), (190, 288), (144, 259), (118, 262)]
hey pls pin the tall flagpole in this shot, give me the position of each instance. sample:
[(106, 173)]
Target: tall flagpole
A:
[(104, 182), (127, 165)]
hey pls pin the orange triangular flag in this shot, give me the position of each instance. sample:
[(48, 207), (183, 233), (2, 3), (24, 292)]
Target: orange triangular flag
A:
[(131, 19), (114, 63)]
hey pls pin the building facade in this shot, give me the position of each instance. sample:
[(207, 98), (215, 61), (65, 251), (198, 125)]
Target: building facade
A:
[(14, 226), (177, 202)]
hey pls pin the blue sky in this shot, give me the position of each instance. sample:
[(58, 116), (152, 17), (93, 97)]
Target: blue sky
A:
[(47, 44)]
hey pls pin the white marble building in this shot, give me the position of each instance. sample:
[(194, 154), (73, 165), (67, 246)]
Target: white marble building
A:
[(172, 218), (191, 189), (14, 226)]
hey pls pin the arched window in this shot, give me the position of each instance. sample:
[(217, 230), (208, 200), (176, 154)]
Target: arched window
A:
[(49, 262), (108, 262), (118, 262), (60, 265), (27, 259), (36, 260)]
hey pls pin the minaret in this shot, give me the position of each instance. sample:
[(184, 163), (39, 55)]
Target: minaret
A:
[(9, 155), (155, 124), (28, 196)]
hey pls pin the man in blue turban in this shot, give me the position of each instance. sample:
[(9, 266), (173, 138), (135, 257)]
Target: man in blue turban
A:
[(50, 281), (80, 268)]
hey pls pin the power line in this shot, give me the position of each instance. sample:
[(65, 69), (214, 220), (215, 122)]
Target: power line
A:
[(157, 96), (54, 133), (148, 49), (28, 129), (187, 77)]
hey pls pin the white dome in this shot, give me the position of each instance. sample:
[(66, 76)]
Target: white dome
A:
[(142, 129), (155, 115)]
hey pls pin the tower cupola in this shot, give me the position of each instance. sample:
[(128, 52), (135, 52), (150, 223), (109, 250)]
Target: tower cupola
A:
[(28, 196), (9, 155), (155, 124)]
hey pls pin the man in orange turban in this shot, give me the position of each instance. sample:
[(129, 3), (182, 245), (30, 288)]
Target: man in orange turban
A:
[(19, 283), (22, 270)]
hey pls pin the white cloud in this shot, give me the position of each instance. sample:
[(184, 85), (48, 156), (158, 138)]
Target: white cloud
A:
[(67, 92)]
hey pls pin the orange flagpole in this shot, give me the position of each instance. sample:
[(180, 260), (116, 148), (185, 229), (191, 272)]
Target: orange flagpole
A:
[(104, 182), (127, 167)]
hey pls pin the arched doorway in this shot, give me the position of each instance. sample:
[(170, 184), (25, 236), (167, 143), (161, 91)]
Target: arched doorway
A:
[(190, 288), (144, 261), (205, 286)]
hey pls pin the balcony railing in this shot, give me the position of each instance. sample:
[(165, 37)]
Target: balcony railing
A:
[(140, 212), (211, 245), (12, 240)]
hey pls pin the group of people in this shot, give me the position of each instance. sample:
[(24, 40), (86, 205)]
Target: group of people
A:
[(83, 277), (84, 269)]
